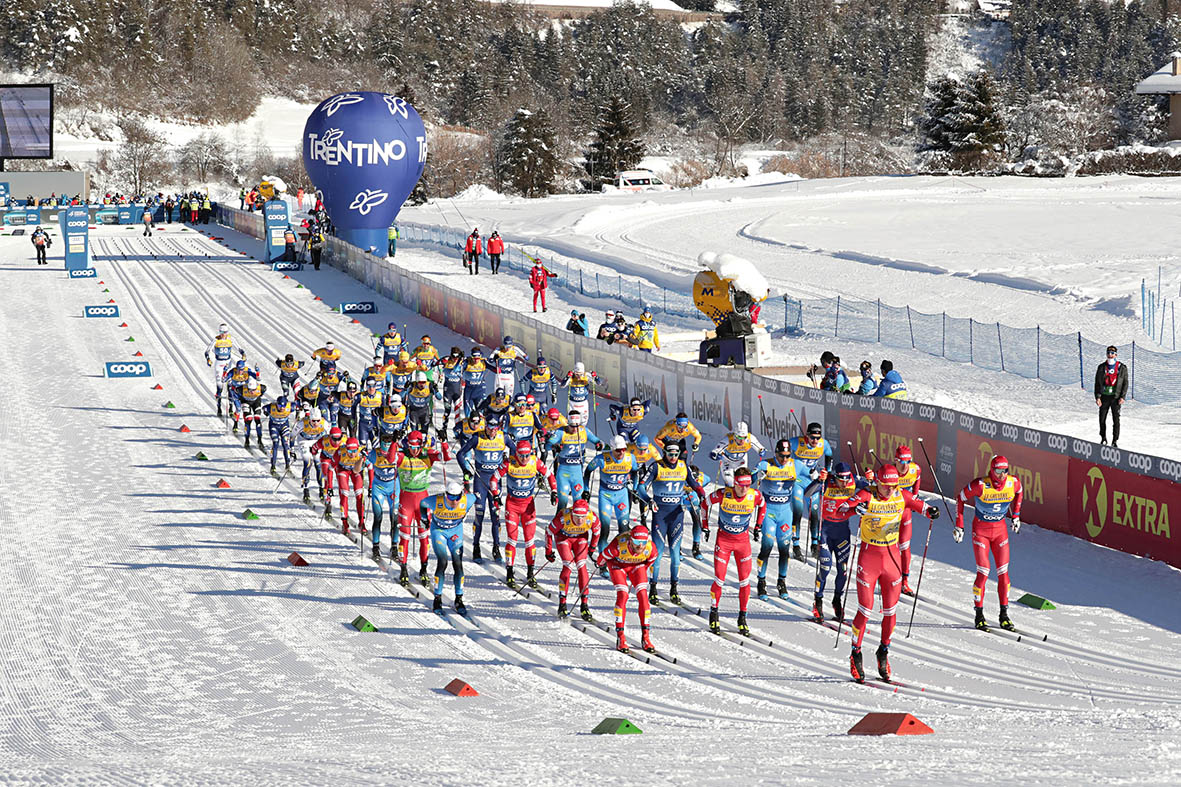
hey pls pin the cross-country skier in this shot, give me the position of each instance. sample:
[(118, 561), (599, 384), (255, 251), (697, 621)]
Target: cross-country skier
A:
[(288, 373), (777, 482), (476, 378), (236, 378), (618, 472), (553, 422), (414, 475), (812, 453), (997, 496), (505, 359), (390, 344), (626, 419), (312, 429), (569, 447), (425, 353), (328, 356), (452, 370), (578, 383), (384, 492), (521, 423), (666, 482), (681, 431), (420, 403), (250, 397), (279, 427), (739, 509), (521, 472), (572, 534), (443, 515), (221, 348), (368, 406), (325, 450), (392, 418), (877, 563), (540, 384), (351, 463), (397, 375), (732, 451), (836, 540), (480, 457), (627, 558), (495, 408)]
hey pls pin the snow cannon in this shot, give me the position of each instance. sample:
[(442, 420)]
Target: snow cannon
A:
[(365, 152), (271, 187), (729, 292)]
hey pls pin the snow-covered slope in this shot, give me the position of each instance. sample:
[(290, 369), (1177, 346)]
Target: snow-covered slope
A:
[(153, 635)]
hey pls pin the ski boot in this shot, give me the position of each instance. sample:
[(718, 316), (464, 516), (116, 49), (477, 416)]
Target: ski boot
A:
[(235, 430), (508, 578), (646, 641), (883, 654), (438, 605), (476, 556), (604, 573), (307, 496), (673, 595), (323, 493), (714, 625), (818, 609), (981, 623), (906, 591), (247, 444), (219, 408), (1003, 619), (344, 527), (620, 640), (274, 472), (761, 592), (697, 549), (796, 553), (328, 509), (855, 667), (459, 605), (404, 577), (781, 587), (743, 629), (562, 611), (584, 610), (653, 597), (259, 442), (530, 580), (838, 608), (423, 577), (496, 553), (376, 554)]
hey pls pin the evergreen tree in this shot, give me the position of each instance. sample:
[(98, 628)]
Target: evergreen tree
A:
[(617, 145), (963, 121), (527, 159)]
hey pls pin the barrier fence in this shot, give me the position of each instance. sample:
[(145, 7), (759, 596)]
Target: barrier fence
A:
[(1104, 495)]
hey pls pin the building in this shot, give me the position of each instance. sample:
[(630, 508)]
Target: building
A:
[(1166, 81)]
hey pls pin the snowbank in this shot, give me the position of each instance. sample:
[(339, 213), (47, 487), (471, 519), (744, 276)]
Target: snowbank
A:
[(741, 273)]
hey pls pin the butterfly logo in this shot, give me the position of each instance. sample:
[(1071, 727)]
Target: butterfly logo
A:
[(397, 105), (368, 199), (336, 102)]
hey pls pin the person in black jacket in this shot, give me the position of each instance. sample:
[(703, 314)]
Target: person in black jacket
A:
[(1111, 386)]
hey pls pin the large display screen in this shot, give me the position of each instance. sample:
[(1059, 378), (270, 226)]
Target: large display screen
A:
[(26, 121)]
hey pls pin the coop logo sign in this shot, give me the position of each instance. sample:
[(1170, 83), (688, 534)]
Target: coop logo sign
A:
[(76, 224), (361, 307), (332, 149), (1169, 468), (101, 311), (286, 266), (82, 273), (125, 369)]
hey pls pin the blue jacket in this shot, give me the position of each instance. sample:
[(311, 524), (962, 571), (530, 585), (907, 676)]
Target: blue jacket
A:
[(892, 386)]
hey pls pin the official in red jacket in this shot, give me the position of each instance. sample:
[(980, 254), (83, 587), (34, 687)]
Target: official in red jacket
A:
[(495, 249), (471, 253), (539, 280)]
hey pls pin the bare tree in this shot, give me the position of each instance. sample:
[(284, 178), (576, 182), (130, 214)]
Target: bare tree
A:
[(140, 160), (205, 157)]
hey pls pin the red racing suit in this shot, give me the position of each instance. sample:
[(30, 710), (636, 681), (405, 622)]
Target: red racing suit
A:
[(628, 569), (989, 531), (350, 476), (573, 544), (735, 517), (520, 510), (414, 473)]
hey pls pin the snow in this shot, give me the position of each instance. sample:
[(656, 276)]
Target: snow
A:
[(742, 274), (658, 5), (152, 635)]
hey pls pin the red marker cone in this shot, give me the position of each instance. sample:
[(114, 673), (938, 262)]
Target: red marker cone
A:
[(141, 355), (223, 484), (184, 428), (112, 300), (157, 387), (124, 325)]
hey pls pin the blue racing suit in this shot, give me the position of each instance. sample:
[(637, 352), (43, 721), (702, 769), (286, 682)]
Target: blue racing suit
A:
[(368, 405), (452, 385), (384, 492), (486, 455), (446, 524), (569, 447), (835, 537), (279, 428), (666, 491), (808, 459), (541, 386), (693, 502), (627, 423), (476, 377), (778, 484), (616, 485)]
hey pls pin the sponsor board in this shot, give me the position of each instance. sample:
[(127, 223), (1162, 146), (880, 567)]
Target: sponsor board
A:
[(1125, 511), (712, 403), (106, 310), (83, 273), (606, 364), (648, 380), (558, 352), (358, 307), (1043, 475), (409, 290), (773, 419), (486, 326), (286, 266), (128, 369), (459, 315), (432, 303), (883, 433)]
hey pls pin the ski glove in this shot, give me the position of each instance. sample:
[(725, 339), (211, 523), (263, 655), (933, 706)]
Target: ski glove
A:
[(714, 455), (586, 495), (1016, 524), (862, 509), (958, 534), (599, 446), (550, 557), (754, 533), (705, 533), (553, 498), (932, 513)]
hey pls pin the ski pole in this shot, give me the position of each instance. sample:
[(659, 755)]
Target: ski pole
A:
[(799, 420), (930, 526), (844, 603)]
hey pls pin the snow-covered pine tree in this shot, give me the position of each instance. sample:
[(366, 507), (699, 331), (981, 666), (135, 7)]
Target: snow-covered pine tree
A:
[(962, 121), (617, 144), (527, 157)]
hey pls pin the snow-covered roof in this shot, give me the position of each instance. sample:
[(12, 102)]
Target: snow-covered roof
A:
[(1163, 80)]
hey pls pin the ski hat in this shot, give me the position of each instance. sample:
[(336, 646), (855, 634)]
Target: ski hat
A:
[(335, 433), (353, 444), (420, 377), (682, 420), (553, 413), (742, 477), (370, 382), (414, 440), (454, 490), (742, 430), (815, 430), (223, 328), (579, 367), (580, 508), (642, 441), (902, 454), (639, 534), (998, 468), (619, 442), (842, 474), (524, 448), (252, 384), (888, 475)]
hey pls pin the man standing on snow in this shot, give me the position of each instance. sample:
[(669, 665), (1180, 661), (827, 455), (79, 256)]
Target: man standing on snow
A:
[(471, 253), (495, 249), (538, 279), (1111, 387)]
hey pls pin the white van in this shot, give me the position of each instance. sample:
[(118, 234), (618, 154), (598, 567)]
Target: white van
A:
[(639, 180)]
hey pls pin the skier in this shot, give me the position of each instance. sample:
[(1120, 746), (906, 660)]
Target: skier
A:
[(505, 359), (520, 508), (739, 508), (540, 384), (476, 377), (390, 344), (521, 423), (554, 421), (384, 492), (617, 479), (288, 373), (351, 463), (420, 403), (626, 419), (572, 533), (910, 478), (279, 427), (627, 558), (235, 380), (468, 427), (392, 420), (312, 430), (811, 453), (222, 349), (346, 402), (835, 537), (452, 369), (495, 408), (309, 396), (147, 221), (665, 493), (777, 482), (443, 516), (425, 353), (877, 562), (367, 407), (569, 447), (694, 502), (680, 431), (328, 356), (997, 496), (251, 403), (397, 376), (325, 451), (732, 451), (329, 382), (487, 451), (539, 281), (414, 475), (578, 390)]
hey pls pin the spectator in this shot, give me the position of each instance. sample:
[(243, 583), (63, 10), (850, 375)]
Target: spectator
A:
[(1111, 387), (147, 220), (316, 245), (41, 243), (495, 249), (242, 199), (622, 331), (835, 378), (644, 335), (289, 239), (206, 209), (392, 237), (577, 323), (539, 280), (891, 385), (471, 253), (169, 206), (868, 381), (825, 361), (606, 329)]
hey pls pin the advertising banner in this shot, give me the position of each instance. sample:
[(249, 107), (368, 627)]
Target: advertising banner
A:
[(459, 316), (1125, 511), (286, 266), (713, 403), (106, 310), (75, 226), (558, 351), (84, 273), (881, 429), (522, 333), (358, 307), (432, 303), (486, 326), (654, 380), (780, 411), (128, 369), (274, 216)]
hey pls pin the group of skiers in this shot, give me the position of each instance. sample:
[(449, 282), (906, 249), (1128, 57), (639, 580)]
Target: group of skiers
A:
[(381, 434)]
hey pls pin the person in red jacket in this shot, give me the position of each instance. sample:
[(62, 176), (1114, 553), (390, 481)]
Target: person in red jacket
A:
[(495, 249), (539, 280), (570, 536), (627, 558), (996, 496), (471, 253), (739, 509)]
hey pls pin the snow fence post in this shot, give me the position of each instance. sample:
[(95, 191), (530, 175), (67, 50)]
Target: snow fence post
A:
[(836, 326), (1039, 352), (879, 320), (581, 289), (1161, 335), (1080, 361), (911, 324), (971, 341), (598, 289), (1143, 301), (1000, 347), (943, 338), (620, 287), (665, 291), (1132, 371), (1173, 312)]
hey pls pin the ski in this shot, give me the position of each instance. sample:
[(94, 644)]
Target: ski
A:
[(731, 635)]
